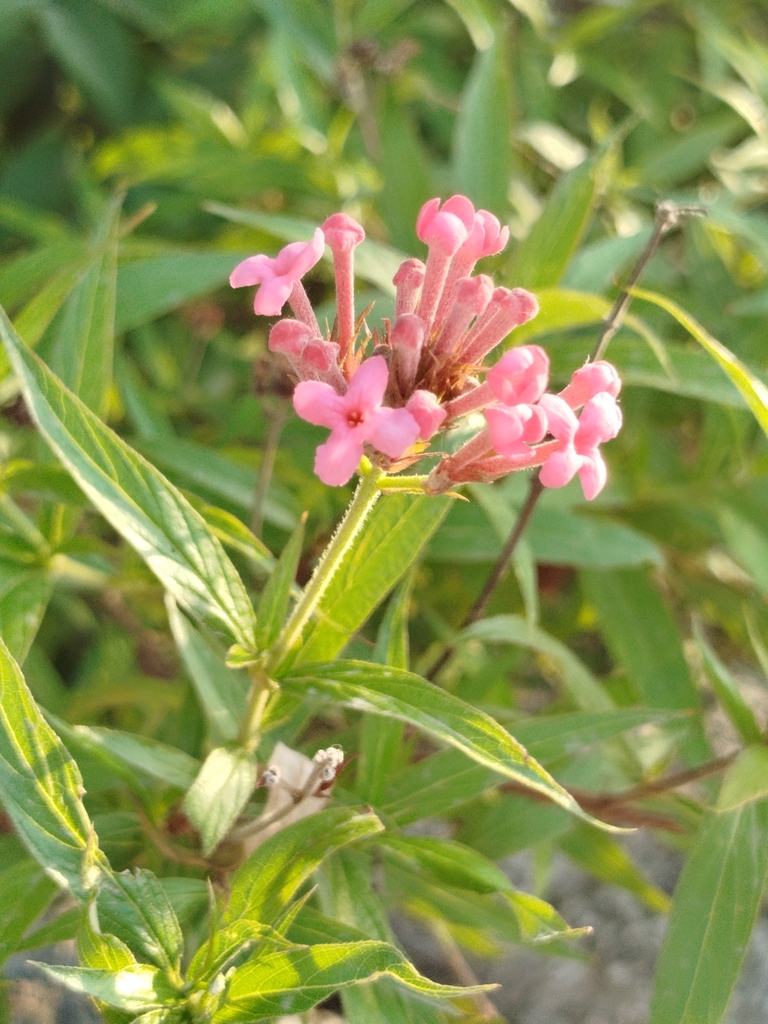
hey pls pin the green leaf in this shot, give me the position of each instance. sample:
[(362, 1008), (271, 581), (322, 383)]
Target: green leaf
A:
[(235, 535), (141, 755), (389, 542), (715, 906), (21, 611), (149, 288), (262, 888), (451, 862), (478, 21), (134, 907), (727, 690), (293, 981), (41, 788), (542, 258), (84, 341), (748, 543), (25, 892), (754, 392), (273, 606), (220, 690), (195, 465), (381, 738), (482, 138), (746, 780), (62, 928), (219, 793), (643, 638), (607, 860), (586, 692), (434, 785), (136, 988), (403, 695), (407, 183), (135, 498)]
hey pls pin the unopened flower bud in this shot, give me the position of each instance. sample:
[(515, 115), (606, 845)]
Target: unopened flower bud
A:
[(406, 339), (472, 295), (590, 380), (270, 776), (427, 411), (408, 280), (289, 337), (342, 232)]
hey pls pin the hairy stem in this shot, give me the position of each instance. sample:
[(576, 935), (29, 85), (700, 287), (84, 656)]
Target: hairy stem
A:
[(363, 501)]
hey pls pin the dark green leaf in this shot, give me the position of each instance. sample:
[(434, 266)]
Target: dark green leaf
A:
[(543, 256), (727, 691), (483, 134)]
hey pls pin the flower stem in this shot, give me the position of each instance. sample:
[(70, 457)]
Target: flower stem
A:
[(262, 688), (363, 501)]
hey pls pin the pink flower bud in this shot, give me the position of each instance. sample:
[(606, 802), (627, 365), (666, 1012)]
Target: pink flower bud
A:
[(427, 411), (289, 337), (408, 280), (406, 340), (342, 232), (578, 450), (472, 295), (513, 428), (487, 237), (520, 376), (506, 310), (591, 380)]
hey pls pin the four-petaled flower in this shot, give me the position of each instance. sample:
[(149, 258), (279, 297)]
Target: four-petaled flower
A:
[(580, 439), (354, 418), (277, 276)]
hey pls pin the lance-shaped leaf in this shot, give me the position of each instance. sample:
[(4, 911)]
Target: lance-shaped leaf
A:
[(714, 910), (41, 787), (135, 498), (136, 988), (84, 342), (753, 391), (273, 606), (263, 887), (220, 792), (220, 690), (399, 694), (388, 544), (293, 981), (269, 879)]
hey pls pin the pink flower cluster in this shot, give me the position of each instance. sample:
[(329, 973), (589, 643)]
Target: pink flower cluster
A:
[(423, 371)]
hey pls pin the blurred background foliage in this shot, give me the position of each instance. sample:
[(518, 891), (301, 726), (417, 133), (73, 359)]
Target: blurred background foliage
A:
[(230, 126)]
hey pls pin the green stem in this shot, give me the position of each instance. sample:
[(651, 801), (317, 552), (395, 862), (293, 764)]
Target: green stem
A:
[(261, 690), (365, 498)]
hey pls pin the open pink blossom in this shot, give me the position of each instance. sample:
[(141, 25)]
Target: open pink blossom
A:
[(277, 275), (487, 237), (427, 411), (448, 228), (354, 418), (579, 439), (514, 427)]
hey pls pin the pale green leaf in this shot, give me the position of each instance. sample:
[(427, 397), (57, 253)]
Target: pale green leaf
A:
[(136, 988), (219, 793), (41, 788), (134, 907), (754, 392), (135, 498), (405, 696), (275, 598)]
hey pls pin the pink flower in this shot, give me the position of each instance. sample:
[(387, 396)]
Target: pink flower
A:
[(448, 228), (487, 237), (354, 418), (278, 275), (515, 427), (579, 439), (589, 380), (427, 412), (520, 376)]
